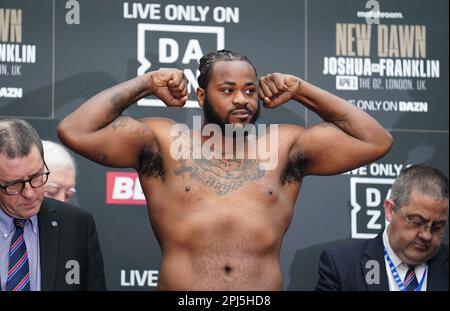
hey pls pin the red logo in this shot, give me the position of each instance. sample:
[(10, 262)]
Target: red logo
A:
[(124, 188)]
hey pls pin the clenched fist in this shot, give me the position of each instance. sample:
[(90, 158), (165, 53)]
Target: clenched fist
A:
[(277, 88), (169, 85)]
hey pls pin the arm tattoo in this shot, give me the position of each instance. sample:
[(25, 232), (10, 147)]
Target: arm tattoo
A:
[(134, 127), (121, 121), (222, 176), (120, 100), (116, 109)]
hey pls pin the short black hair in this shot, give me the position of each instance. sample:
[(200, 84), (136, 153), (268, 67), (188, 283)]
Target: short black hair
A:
[(207, 62), (17, 138)]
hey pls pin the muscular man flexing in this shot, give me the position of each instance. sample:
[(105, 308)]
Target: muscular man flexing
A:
[(220, 222)]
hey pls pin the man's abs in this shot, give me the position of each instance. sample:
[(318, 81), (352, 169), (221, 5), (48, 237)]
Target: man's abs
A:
[(221, 248), (220, 272)]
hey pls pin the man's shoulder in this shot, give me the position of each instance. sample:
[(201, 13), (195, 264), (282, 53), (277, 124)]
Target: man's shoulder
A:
[(289, 129), (349, 248), (288, 134), (158, 122)]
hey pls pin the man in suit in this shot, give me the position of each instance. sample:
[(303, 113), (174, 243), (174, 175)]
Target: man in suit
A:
[(43, 244), (409, 254)]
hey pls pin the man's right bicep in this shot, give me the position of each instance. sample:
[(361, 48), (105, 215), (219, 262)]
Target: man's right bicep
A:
[(117, 145)]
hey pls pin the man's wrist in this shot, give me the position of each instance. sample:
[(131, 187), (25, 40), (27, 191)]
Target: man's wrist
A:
[(301, 90), (145, 81)]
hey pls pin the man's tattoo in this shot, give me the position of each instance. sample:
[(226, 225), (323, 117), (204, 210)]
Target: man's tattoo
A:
[(117, 101), (222, 176), (134, 127), (120, 100), (122, 121), (116, 108)]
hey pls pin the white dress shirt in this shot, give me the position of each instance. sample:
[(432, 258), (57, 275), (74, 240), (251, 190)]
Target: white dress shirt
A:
[(401, 267)]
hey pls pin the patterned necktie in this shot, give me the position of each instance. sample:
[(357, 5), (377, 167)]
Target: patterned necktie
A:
[(19, 271), (410, 279)]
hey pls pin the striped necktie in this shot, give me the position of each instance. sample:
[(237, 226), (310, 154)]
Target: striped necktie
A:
[(19, 271), (410, 279)]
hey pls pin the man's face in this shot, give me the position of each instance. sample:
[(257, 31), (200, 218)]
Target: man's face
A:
[(231, 96), (415, 246), (27, 203), (60, 184)]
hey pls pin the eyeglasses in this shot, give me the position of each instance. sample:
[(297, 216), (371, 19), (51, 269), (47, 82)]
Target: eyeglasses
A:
[(420, 225), (17, 187)]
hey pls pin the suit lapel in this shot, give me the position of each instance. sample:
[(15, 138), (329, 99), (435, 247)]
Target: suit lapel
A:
[(48, 240), (437, 279), (374, 251)]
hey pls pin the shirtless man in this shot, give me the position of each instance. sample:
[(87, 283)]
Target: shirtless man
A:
[(225, 237)]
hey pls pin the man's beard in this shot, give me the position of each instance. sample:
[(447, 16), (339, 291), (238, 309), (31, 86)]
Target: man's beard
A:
[(211, 116)]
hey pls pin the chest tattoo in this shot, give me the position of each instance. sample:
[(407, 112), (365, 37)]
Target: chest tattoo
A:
[(221, 176)]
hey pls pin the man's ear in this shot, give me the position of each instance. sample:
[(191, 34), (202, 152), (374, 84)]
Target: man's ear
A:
[(388, 209), (200, 96)]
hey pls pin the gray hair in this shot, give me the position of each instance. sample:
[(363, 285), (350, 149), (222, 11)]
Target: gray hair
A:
[(424, 179), (57, 156), (17, 138)]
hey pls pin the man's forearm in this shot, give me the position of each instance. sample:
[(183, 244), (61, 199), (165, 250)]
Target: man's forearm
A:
[(103, 108)]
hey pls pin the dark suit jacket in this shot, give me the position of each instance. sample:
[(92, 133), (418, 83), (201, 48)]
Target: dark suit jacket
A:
[(68, 233), (343, 267)]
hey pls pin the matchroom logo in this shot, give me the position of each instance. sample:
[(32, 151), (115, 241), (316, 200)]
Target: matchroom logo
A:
[(367, 196), (124, 188)]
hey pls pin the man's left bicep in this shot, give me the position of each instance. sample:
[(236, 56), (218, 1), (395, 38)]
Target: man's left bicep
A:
[(332, 151)]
